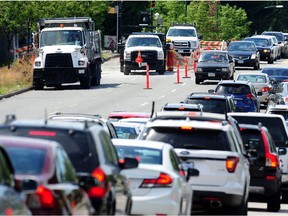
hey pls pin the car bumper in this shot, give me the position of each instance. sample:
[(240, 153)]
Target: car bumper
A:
[(265, 56), (245, 63), (212, 75), (160, 201), (153, 65)]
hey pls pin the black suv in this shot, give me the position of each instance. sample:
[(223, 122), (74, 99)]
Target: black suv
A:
[(211, 102), (265, 170), (245, 54), (92, 153)]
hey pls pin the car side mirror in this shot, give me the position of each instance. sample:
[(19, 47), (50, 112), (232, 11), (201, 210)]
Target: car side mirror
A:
[(282, 151), (129, 163), (200, 37), (192, 172), (211, 91)]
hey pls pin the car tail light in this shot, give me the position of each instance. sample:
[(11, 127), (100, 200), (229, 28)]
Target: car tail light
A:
[(271, 159), (285, 99), (100, 190), (163, 180), (231, 164), (182, 172), (265, 89), (250, 96), (46, 197)]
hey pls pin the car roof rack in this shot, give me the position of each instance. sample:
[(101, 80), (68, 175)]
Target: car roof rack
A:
[(183, 24)]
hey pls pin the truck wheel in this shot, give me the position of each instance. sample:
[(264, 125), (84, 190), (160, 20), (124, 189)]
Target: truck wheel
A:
[(197, 81), (162, 71), (93, 71), (98, 74), (38, 84), (284, 197), (85, 81), (126, 71), (122, 68)]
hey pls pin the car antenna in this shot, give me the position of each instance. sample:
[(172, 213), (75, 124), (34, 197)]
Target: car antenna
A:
[(153, 108)]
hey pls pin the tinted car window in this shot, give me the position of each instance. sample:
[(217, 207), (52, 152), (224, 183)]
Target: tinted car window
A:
[(253, 139), (143, 154), (75, 143), (233, 89), (215, 105), (280, 112), (6, 177), (28, 161), (274, 125), (190, 139)]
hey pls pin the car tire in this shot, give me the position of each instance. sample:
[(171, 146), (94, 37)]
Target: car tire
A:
[(197, 81), (38, 84), (257, 66), (122, 68), (85, 82), (274, 202), (162, 71), (126, 71), (271, 60), (285, 197)]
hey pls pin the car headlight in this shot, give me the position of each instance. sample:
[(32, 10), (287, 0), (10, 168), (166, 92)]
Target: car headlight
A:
[(81, 62), (253, 56), (199, 70), (127, 55), (160, 55), (37, 63), (266, 51), (225, 69), (193, 43)]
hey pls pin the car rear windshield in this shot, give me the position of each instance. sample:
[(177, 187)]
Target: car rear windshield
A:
[(274, 125), (233, 89), (252, 139), (27, 160), (210, 105), (190, 139), (75, 143), (143, 154), (280, 112)]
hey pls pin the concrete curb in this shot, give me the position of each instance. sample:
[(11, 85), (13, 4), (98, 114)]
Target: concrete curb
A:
[(15, 93)]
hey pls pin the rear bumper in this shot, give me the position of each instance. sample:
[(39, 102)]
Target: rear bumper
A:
[(212, 75), (246, 63)]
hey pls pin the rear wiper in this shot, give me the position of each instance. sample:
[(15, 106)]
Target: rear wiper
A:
[(193, 146)]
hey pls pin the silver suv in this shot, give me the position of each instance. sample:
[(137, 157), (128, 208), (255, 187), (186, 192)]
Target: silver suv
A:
[(212, 150)]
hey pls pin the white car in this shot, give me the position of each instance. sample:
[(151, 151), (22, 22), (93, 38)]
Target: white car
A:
[(213, 149), (261, 83), (158, 185)]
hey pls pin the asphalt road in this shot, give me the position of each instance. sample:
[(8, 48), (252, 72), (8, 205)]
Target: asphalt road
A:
[(117, 92)]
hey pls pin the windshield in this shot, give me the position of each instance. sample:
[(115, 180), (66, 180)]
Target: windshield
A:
[(260, 42), (137, 41), (210, 105), (213, 57), (242, 47), (190, 139), (61, 37), (182, 33)]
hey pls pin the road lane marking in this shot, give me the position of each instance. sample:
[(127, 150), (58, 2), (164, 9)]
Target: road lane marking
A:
[(163, 96), (174, 90), (72, 105), (144, 104)]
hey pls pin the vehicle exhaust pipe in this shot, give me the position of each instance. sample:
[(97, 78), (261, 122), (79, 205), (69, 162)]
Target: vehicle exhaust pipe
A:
[(215, 204)]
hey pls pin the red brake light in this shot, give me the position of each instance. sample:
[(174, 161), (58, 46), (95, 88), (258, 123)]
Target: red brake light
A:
[(46, 197), (42, 133), (163, 180), (181, 108), (265, 89), (271, 159), (182, 172), (250, 96), (100, 190), (231, 164)]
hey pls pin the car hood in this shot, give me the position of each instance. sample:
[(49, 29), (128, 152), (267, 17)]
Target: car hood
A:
[(241, 53), (211, 64)]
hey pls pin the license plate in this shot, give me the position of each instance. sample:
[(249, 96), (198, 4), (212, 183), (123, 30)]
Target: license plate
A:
[(211, 74), (240, 61), (143, 63)]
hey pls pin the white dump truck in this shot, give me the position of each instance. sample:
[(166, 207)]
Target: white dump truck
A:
[(68, 50)]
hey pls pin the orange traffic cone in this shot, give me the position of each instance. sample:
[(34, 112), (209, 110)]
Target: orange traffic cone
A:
[(139, 58)]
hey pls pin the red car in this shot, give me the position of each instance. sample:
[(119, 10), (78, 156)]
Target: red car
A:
[(58, 191)]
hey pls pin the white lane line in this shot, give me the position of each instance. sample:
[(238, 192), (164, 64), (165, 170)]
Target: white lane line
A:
[(163, 96), (174, 90), (183, 84), (72, 105), (144, 104)]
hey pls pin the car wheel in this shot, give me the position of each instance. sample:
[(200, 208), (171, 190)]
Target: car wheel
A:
[(285, 197), (122, 68), (126, 71), (162, 71), (274, 202), (38, 84), (197, 81), (271, 60)]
